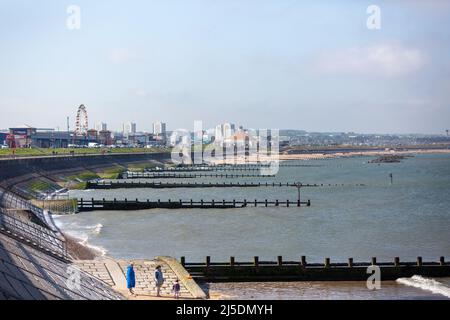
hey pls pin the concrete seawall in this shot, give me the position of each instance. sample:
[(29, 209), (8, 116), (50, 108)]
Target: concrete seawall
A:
[(13, 168)]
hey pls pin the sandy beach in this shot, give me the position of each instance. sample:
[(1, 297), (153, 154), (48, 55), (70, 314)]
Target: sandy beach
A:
[(284, 156)]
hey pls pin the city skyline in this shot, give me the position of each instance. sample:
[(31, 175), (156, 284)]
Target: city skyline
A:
[(291, 65), (149, 128)]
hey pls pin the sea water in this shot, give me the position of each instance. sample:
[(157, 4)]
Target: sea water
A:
[(409, 217)]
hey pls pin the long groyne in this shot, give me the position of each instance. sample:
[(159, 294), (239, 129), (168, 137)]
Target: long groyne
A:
[(151, 175), (163, 185), (236, 167), (301, 270), (136, 204)]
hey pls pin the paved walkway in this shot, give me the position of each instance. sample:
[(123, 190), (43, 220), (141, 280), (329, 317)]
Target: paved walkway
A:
[(114, 274)]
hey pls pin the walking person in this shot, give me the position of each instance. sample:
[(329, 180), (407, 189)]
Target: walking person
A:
[(131, 278), (176, 289), (159, 280)]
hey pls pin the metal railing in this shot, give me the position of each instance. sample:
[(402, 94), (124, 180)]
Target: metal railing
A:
[(10, 200), (37, 235)]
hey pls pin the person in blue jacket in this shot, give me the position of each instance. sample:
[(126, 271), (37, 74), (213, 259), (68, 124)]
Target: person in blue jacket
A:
[(159, 280), (131, 278)]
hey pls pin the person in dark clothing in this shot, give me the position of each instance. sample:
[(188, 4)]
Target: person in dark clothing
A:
[(176, 289), (159, 280)]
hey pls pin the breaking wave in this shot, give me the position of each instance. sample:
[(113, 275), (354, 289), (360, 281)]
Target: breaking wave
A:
[(85, 243), (96, 229), (426, 284), (82, 233)]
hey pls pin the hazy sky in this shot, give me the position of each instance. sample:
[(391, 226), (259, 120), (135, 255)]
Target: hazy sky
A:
[(310, 65)]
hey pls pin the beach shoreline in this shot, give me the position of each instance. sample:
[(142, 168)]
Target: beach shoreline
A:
[(284, 156), (79, 250)]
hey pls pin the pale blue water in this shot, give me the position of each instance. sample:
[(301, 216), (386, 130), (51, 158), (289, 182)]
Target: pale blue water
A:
[(409, 218), (406, 219)]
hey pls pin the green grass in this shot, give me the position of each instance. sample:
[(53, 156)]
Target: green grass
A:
[(84, 176), (140, 167), (78, 181), (38, 185), (79, 186), (110, 173), (78, 151)]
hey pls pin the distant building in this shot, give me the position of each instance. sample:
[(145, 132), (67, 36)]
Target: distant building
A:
[(159, 128), (56, 139), (241, 139), (22, 135), (129, 129), (101, 126), (224, 131), (218, 136), (206, 138), (228, 130), (173, 139), (92, 134), (3, 136), (105, 137), (180, 137)]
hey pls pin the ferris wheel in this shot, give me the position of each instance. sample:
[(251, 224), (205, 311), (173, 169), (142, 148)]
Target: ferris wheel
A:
[(81, 124)]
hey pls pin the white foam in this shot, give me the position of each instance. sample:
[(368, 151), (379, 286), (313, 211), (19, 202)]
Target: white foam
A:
[(81, 232), (96, 229), (85, 243), (426, 284)]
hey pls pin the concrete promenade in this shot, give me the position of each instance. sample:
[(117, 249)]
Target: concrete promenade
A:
[(113, 273)]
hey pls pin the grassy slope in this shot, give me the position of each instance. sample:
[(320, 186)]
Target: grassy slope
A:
[(62, 151)]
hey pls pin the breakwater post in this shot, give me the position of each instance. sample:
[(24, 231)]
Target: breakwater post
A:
[(281, 270), (303, 261)]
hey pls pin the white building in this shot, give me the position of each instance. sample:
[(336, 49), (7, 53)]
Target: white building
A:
[(228, 130), (159, 128), (101, 126), (224, 131), (129, 128), (218, 136)]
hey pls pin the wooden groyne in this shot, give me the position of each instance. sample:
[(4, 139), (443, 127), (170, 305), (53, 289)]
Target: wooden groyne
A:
[(136, 204), (254, 167), (163, 185), (280, 270), (168, 185), (150, 175)]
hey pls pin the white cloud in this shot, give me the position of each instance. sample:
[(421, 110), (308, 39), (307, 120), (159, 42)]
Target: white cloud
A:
[(386, 60)]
